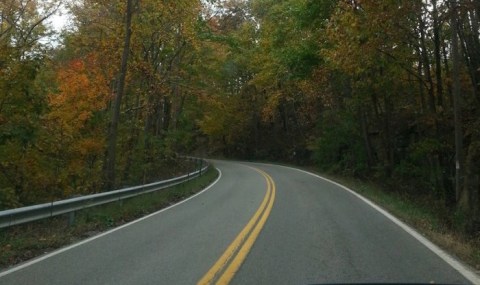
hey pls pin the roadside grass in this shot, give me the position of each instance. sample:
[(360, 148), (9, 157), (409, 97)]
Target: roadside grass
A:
[(425, 216), (23, 242)]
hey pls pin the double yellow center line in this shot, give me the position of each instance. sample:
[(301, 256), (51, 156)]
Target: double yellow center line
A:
[(228, 264)]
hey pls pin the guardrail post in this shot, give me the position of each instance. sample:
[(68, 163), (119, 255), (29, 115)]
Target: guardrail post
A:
[(71, 215), (71, 218), (201, 165), (188, 169)]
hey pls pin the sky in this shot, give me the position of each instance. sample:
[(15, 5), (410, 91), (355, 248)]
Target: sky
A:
[(58, 22), (60, 19)]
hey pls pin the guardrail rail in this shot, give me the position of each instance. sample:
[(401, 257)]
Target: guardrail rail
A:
[(41, 211)]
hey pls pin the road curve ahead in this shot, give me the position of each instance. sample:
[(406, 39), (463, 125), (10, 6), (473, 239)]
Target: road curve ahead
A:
[(258, 224)]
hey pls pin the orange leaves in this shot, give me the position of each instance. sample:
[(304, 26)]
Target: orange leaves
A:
[(74, 124), (83, 90)]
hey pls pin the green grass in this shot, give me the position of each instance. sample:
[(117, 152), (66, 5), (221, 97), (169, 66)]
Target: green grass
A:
[(23, 242)]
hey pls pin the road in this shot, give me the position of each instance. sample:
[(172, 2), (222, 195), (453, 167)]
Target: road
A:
[(258, 224)]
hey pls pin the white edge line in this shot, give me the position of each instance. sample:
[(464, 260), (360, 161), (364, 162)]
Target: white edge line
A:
[(462, 269), (29, 263)]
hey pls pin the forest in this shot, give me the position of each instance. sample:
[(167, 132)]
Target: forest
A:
[(387, 91)]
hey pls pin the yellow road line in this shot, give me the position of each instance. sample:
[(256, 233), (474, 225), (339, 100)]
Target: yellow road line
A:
[(246, 236), (243, 252)]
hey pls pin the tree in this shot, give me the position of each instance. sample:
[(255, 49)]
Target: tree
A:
[(75, 141), (119, 91), (22, 96)]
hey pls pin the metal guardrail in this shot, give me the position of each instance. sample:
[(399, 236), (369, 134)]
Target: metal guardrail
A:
[(41, 211)]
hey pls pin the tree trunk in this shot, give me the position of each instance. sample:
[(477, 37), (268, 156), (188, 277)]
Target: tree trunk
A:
[(456, 105), (426, 67), (447, 71), (469, 202), (389, 146), (120, 89), (366, 137), (438, 59), (420, 83)]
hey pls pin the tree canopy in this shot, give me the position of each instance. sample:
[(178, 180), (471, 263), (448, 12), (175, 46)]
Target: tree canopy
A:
[(385, 90)]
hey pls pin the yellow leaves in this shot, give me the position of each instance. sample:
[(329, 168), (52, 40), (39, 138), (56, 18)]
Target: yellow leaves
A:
[(88, 146), (213, 122), (271, 106), (225, 118), (358, 37), (165, 22)]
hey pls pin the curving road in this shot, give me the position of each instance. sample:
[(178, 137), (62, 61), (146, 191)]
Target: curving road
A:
[(258, 224)]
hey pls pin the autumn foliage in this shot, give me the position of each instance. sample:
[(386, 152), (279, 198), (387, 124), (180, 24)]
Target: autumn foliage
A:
[(371, 89)]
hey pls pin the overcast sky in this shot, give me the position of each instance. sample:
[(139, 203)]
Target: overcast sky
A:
[(60, 19)]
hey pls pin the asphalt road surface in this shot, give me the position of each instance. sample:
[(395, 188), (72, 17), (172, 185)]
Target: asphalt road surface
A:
[(258, 224)]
